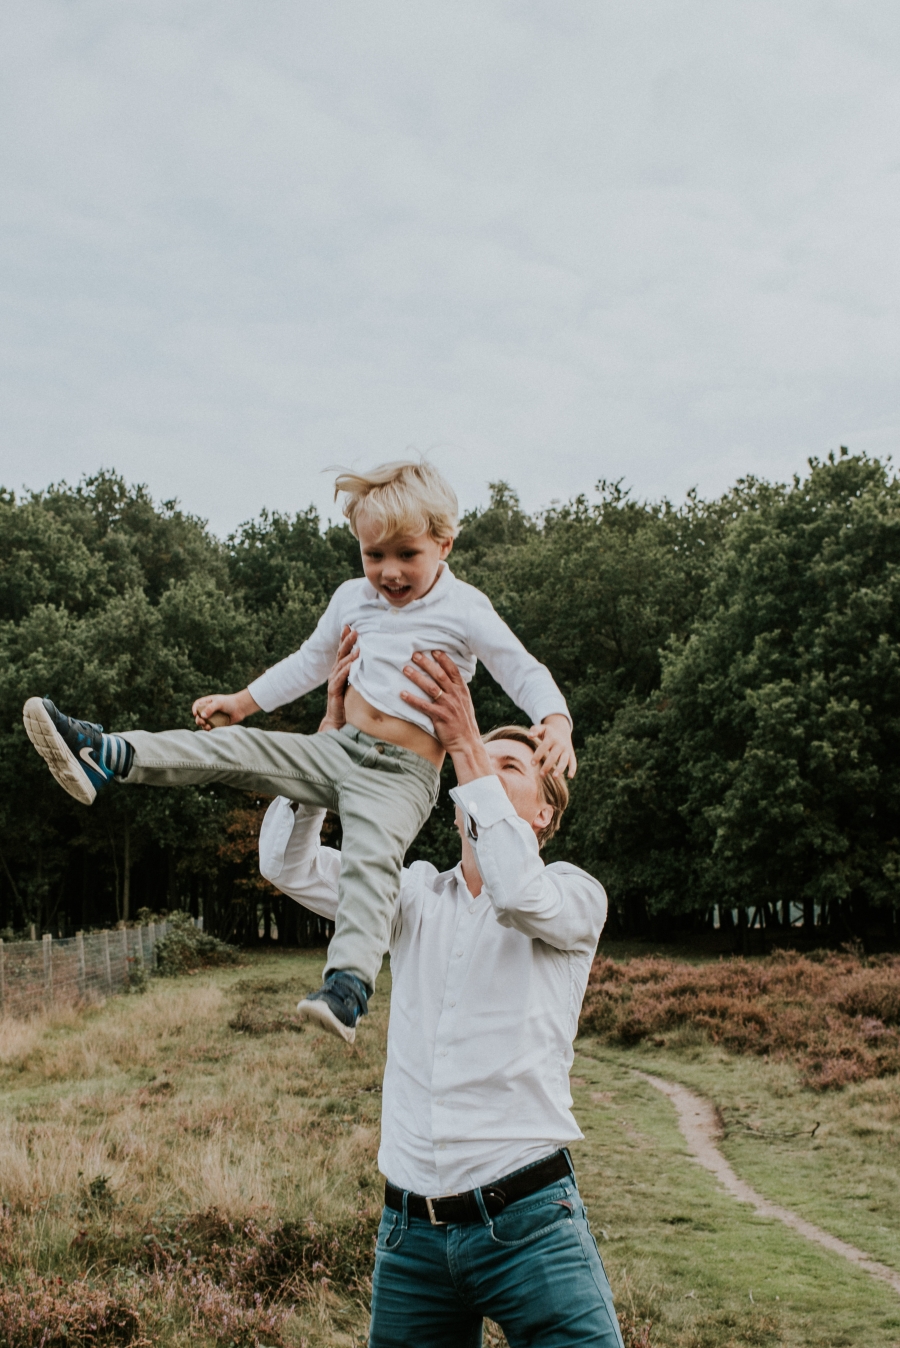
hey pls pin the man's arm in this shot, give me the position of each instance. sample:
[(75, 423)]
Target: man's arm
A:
[(293, 860), (565, 907)]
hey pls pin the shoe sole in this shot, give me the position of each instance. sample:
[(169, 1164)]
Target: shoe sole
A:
[(56, 753), (323, 1013)]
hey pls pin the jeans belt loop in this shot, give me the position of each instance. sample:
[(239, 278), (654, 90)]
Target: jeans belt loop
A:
[(404, 1220), (482, 1207)]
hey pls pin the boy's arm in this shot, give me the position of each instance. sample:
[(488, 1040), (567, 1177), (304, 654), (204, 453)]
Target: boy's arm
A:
[(299, 673), (529, 683), (305, 669)]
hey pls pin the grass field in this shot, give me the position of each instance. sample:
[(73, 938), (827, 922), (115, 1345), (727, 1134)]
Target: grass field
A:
[(185, 1167)]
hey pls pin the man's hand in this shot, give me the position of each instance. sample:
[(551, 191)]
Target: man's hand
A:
[(236, 707), (555, 753), (449, 706), (348, 651)]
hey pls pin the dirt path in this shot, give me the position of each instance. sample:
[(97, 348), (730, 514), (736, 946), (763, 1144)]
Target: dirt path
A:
[(700, 1125)]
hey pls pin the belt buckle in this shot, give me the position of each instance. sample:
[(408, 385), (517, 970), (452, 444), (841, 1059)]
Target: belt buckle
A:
[(429, 1207)]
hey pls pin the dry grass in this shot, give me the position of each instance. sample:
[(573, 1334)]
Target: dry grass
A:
[(181, 1141), (837, 1016), (191, 1167)]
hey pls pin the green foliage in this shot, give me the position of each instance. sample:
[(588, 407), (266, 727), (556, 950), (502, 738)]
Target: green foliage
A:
[(732, 666), (185, 948), (764, 769)]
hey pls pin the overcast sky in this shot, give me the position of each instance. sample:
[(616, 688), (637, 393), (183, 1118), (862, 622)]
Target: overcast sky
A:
[(542, 241)]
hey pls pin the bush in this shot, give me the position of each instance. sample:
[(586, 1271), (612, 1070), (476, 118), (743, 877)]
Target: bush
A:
[(38, 1312), (835, 1015), (185, 948)]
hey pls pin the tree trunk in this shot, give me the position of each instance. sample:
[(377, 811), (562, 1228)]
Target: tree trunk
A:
[(126, 871), (743, 935)]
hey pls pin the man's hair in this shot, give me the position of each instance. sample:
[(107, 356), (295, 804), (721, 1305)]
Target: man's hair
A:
[(401, 498), (555, 789)]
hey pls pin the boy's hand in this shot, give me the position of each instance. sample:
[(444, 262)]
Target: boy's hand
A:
[(555, 753), (348, 651), (234, 705)]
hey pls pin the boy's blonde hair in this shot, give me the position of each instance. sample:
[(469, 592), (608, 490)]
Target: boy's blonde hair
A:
[(403, 498)]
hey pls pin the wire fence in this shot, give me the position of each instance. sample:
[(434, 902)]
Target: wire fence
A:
[(38, 975)]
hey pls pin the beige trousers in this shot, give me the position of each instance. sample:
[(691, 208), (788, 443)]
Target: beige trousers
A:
[(383, 794)]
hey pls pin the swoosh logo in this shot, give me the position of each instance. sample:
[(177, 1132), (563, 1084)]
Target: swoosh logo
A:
[(84, 753)]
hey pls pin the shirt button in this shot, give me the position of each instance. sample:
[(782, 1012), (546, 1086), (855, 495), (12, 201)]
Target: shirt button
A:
[(453, 1003), (458, 955), (442, 1146), (471, 908)]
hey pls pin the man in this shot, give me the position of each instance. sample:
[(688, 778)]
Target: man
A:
[(490, 962)]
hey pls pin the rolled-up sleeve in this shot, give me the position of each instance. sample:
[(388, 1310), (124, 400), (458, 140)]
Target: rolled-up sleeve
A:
[(559, 904), (292, 858)]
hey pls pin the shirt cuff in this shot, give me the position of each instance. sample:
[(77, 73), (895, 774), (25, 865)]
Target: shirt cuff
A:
[(484, 801), (554, 709), (264, 699), (277, 827)]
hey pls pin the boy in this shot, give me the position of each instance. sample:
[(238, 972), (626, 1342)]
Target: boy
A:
[(380, 772)]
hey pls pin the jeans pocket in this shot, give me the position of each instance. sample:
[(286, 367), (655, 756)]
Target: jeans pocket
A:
[(519, 1225), (390, 1231)]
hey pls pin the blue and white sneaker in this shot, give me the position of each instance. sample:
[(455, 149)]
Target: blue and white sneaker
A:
[(80, 756), (338, 1004)]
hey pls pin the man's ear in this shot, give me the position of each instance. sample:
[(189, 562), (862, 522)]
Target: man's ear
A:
[(542, 818), (446, 549)]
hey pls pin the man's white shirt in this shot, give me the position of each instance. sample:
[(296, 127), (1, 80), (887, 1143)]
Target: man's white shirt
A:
[(486, 992), (452, 617)]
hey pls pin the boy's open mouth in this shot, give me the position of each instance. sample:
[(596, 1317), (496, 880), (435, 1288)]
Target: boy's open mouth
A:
[(397, 591)]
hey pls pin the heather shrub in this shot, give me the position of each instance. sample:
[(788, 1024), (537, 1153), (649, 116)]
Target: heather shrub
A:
[(38, 1312), (186, 948), (836, 1015)]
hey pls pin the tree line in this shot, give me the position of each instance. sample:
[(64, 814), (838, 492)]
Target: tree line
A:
[(732, 667)]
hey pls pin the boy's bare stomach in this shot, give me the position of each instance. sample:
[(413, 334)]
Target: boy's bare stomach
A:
[(391, 729)]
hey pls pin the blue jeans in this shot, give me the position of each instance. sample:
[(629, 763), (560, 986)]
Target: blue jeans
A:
[(534, 1269)]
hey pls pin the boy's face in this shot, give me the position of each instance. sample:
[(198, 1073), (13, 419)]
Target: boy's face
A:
[(403, 568)]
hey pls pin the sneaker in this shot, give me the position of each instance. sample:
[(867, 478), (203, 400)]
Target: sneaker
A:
[(80, 756), (338, 1004)]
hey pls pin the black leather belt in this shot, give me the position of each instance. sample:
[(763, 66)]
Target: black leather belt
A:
[(464, 1208)]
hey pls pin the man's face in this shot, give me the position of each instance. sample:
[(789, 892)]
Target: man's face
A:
[(521, 781), (403, 568)]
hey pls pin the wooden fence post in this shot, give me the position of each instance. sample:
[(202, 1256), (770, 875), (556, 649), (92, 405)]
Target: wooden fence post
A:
[(105, 942), (48, 969), (151, 927), (2, 978), (124, 931), (82, 971)]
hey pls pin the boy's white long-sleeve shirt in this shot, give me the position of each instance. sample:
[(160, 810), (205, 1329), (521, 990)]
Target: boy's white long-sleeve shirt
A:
[(486, 992), (453, 617)]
